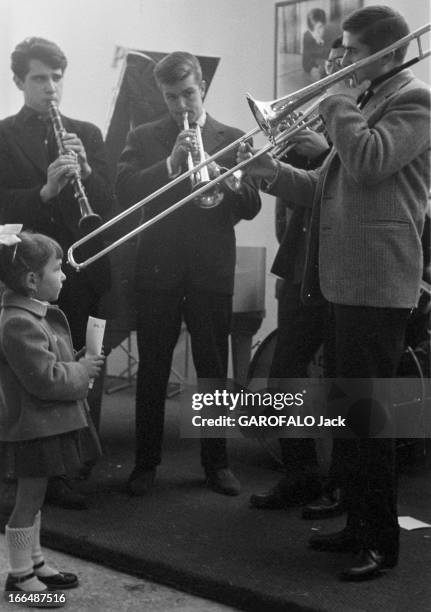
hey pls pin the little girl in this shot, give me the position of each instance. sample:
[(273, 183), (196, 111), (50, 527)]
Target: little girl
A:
[(42, 392)]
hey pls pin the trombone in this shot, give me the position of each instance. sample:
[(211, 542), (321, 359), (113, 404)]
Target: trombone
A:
[(269, 116)]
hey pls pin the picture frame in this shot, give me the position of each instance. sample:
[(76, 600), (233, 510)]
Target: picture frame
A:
[(304, 33)]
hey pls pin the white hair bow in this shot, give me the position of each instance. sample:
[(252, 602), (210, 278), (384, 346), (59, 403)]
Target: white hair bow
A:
[(8, 233)]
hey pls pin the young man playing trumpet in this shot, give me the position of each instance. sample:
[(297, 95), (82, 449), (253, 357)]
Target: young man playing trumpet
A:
[(368, 209), (185, 262), (36, 190)]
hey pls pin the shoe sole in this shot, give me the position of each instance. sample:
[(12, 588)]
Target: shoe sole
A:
[(363, 577), (220, 490), (60, 587), (315, 516), (269, 506)]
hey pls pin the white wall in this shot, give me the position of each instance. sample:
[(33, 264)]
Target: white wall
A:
[(241, 32)]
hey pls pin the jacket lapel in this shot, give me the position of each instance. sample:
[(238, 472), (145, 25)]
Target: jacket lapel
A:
[(166, 132), (387, 89), (212, 135)]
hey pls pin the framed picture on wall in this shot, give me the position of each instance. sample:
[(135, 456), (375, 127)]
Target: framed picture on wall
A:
[(304, 33)]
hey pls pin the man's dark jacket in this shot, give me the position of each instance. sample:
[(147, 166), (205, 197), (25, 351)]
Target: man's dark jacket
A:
[(24, 159), (190, 247)]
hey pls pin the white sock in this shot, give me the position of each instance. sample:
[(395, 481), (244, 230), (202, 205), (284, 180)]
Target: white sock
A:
[(19, 543), (36, 552)]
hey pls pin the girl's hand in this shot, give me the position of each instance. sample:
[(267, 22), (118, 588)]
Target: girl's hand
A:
[(80, 353), (93, 364)]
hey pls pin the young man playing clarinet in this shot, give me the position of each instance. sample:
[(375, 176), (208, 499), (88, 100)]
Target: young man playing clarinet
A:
[(36, 190)]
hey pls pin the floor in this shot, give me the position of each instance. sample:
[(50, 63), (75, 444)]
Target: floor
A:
[(106, 590)]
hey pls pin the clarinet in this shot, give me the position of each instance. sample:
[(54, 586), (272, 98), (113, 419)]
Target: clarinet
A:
[(89, 220)]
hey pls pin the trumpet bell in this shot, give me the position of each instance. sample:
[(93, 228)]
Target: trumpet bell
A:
[(208, 199), (214, 196)]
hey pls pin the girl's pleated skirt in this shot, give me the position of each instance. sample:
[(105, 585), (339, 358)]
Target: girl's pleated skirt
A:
[(58, 455)]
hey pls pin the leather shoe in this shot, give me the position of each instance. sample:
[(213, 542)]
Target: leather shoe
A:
[(340, 541), (368, 564), (59, 581), (141, 482), (223, 481), (13, 586), (60, 493), (327, 505), (286, 494), (269, 500)]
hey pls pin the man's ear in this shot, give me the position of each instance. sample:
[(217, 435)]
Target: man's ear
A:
[(387, 59), (18, 82), (203, 88)]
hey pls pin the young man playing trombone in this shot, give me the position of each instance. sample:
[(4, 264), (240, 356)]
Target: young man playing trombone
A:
[(185, 262), (368, 209)]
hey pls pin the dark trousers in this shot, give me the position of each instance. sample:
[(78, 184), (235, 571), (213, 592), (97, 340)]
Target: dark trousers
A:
[(368, 343), (159, 316), (300, 333)]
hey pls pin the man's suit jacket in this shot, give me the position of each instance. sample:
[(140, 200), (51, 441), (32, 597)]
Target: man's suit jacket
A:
[(192, 247), (289, 261), (23, 170), (371, 194)]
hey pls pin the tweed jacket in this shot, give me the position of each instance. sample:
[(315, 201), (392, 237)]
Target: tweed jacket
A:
[(371, 193), (191, 247), (42, 387)]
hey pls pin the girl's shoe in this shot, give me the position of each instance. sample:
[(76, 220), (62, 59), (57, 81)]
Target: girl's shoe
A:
[(45, 598), (59, 581)]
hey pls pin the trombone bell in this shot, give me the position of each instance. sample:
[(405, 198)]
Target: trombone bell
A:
[(268, 116)]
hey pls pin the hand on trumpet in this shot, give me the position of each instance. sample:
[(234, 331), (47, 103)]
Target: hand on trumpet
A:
[(185, 143), (264, 166), (72, 142), (214, 170), (59, 173)]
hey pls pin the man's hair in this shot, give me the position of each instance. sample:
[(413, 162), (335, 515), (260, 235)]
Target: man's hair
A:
[(338, 42), (176, 67), (315, 16), (40, 49), (378, 27)]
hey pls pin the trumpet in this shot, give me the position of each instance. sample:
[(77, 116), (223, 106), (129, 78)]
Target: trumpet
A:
[(199, 178), (89, 220), (270, 117)]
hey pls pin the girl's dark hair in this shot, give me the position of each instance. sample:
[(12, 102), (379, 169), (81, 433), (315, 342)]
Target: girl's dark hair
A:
[(30, 255)]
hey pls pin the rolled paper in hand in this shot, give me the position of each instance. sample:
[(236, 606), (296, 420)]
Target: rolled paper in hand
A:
[(94, 339)]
